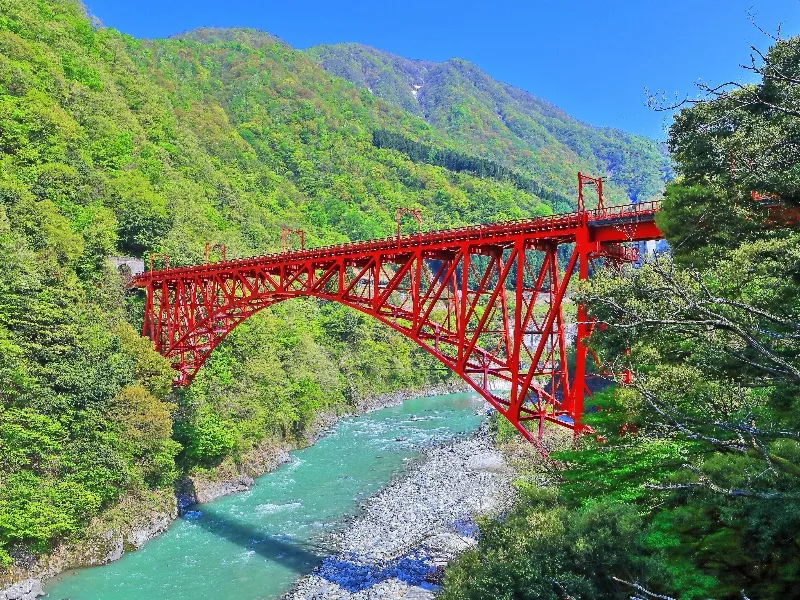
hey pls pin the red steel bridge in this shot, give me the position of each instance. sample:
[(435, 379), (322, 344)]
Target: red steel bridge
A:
[(486, 301)]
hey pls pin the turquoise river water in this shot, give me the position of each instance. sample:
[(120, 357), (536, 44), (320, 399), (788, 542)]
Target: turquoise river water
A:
[(255, 545)]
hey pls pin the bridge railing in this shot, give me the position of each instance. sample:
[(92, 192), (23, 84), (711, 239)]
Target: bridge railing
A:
[(624, 211), (476, 232)]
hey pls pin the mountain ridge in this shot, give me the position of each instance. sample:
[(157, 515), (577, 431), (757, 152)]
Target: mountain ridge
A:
[(462, 99), (493, 119)]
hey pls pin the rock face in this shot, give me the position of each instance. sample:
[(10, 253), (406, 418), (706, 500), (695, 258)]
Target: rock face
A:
[(24, 590), (398, 546), (197, 490), (155, 525)]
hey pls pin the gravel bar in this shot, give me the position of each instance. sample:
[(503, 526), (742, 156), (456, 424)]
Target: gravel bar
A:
[(404, 535)]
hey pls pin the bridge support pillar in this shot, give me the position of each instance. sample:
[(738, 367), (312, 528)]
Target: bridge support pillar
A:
[(581, 352), (485, 301)]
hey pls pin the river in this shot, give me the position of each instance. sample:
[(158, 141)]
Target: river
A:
[(255, 545)]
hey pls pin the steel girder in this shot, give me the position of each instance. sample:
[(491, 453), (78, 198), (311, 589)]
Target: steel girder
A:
[(486, 301)]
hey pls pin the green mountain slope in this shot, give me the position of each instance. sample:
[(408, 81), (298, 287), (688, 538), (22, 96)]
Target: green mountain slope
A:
[(503, 122), (112, 145)]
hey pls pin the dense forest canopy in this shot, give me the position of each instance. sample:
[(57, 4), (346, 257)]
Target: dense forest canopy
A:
[(501, 123), (111, 145), (692, 488), (454, 160)]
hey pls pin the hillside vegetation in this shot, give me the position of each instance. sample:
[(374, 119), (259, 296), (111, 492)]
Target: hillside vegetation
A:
[(691, 489), (503, 123), (111, 145)]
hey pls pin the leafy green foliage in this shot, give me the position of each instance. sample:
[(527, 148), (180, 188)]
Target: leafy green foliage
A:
[(742, 140), (63, 378), (716, 361), (703, 448), (144, 430), (502, 124), (452, 160), (713, 342), (206, 438), (544, 549)]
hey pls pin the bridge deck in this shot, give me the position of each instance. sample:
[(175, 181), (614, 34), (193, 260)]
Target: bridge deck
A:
[(472, 297), (614, 224)]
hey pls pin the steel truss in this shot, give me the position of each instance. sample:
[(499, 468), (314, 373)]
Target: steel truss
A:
[(486, 301)]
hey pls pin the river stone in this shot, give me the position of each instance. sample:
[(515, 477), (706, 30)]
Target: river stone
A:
[(408, 531), (487, 462), (27, 589)]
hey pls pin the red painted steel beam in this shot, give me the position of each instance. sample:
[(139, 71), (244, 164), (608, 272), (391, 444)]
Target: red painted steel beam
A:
[(486, 301)]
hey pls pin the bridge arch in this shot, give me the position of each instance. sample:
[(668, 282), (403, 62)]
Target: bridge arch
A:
[(486, 301), (202, 352)]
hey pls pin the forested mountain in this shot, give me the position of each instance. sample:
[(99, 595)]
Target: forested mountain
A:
[(502, 122), (690, 488), (112, 145)]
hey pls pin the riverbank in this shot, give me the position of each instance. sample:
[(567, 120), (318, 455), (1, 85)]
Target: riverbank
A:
[(403, 536), (234, 478), (136, 520)]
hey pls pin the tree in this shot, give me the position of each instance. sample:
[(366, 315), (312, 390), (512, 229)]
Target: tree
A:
[(145, 432), (714, 339), (736, 139)]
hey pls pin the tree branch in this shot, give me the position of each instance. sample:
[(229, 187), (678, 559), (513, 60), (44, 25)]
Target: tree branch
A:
[(642, 590)]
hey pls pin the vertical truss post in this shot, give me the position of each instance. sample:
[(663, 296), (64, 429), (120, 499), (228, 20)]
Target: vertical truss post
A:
[(416, 213), (163, 257), (286, 238), (561, 339), (222, 250), (518, 335), (147, 322), (461, 303), (597, 182), (583, 247)]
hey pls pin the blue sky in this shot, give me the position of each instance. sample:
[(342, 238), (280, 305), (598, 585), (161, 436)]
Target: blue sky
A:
[(591, 58)]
